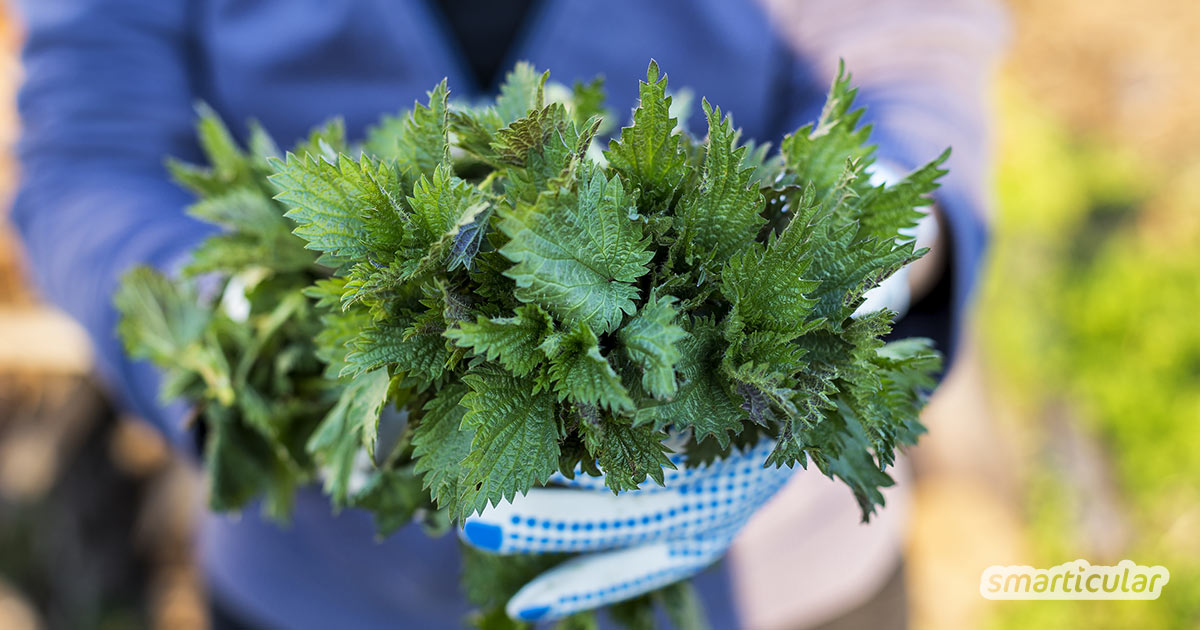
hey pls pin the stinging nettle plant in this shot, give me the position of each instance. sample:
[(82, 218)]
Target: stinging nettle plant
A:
[(538, 305), (479, 296)]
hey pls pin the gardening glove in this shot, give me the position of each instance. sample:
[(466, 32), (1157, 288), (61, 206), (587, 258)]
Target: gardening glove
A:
[(632, 543)]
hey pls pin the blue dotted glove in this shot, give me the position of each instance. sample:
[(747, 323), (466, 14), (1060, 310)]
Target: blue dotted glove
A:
[(632, 543)]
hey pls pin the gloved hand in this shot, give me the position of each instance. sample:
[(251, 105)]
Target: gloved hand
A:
[(634, 542)]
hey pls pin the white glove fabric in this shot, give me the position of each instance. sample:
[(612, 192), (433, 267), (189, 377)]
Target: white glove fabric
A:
[(634, 542)]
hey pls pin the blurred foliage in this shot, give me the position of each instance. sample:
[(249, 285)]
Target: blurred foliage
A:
[(1090, 309)]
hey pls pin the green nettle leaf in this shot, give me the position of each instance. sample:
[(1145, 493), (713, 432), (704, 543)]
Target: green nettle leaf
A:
[(767, 286), (583, 375), (854, 464), (848, 268), (650, 340), (722, 215), (479, 295), (764, 167), (516, 438), (338, 440), (242, 210), (239, 462), (230, 168), (326, 142), (467, 236), (421, 141), (383, 138), (164, 318), (513, 341), (441, 208), (577, 251), (588, 101), (762, 365), (540, 148), (333, 204), (340, 327), (521, 92), (883, 210), (262, 146), (649, 154), (627, 454), (845, 259), (909, 364), (163, 322), (816, 154), (228, 163), (475, 128), (440, 444), (537, 134), (704, 403), (258, 236), (254, 382), (423, 355)]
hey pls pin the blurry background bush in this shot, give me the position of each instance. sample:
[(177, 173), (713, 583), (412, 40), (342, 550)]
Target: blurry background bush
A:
[(1069, 430)]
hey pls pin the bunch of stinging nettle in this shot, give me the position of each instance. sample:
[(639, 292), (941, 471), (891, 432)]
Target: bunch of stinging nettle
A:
[(478, 296)]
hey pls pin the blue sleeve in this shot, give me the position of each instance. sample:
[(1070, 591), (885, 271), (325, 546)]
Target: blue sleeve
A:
[(106, 97)]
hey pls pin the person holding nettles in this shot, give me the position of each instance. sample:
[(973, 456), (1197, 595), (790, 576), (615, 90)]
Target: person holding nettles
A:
[(110, 90)]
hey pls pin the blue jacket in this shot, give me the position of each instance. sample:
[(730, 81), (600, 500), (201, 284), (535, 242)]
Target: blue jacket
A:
[(110, 90)]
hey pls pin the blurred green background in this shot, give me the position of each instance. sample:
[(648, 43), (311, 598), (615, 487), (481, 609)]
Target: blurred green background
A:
[(1085, 389), (1089, 332), (1071, 428)]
